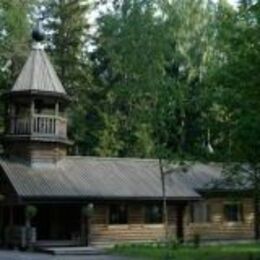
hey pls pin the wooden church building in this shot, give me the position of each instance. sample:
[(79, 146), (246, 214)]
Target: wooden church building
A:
[(123, 196)]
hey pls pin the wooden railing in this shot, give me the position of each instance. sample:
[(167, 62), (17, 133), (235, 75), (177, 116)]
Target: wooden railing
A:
[(42, 125)]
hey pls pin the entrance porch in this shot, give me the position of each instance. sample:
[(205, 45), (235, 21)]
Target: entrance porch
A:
[(112, 222), (52, 225)]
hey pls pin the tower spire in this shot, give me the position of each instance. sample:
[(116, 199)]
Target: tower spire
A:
[(38, 35)]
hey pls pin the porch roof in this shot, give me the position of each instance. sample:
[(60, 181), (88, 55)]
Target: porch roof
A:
[(96, 178)]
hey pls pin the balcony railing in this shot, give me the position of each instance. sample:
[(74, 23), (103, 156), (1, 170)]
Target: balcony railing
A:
[(39, 125)]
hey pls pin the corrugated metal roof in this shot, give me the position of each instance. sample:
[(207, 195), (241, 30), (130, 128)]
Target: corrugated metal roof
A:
[(77, 177), (199, 176), (38, 74)]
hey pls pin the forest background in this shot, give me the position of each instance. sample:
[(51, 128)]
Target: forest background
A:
[(150, 78)]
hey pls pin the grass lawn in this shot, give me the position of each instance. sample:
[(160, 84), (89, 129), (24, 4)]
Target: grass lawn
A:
[(216, 252)]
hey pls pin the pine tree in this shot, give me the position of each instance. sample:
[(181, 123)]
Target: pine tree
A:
[(67, 24)]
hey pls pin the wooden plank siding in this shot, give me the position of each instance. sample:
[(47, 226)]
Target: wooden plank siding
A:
[(38, 151), (218, 228), (134, 231), (137, 231)]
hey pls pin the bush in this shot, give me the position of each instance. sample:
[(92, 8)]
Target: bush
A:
[(30, 211), (196, 240), (175, 244)]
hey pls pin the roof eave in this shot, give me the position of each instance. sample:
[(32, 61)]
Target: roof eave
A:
[(36, 93), (81, 198)]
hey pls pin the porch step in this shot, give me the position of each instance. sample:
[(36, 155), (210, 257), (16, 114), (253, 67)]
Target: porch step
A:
[(73, 250), (56, 243)]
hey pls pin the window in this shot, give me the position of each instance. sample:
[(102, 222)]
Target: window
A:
[(233, 212), (153, 214), (200, 212), (118, 214)]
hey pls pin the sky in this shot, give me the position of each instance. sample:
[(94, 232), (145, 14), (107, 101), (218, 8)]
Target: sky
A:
[(94, 14), (233, 2)]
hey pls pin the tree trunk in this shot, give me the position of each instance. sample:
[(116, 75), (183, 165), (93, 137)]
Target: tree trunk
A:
[(165, 210), (256, 216), (256, 204)]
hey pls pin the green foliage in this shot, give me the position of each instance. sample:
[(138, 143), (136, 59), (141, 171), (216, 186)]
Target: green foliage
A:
[(14, 42), (67, 41), (237, 78), (88, 210), (30, 212), (217, 252), (168, 79), (196, 240), (127, 64), (147, 61)]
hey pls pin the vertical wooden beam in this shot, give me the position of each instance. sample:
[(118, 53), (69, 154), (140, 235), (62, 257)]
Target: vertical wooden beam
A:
[(32, 107), (180, 209), (11, 215), (56, 123), (32, 113), (1, 220), (10, 118), (57, 108), (7, 118)]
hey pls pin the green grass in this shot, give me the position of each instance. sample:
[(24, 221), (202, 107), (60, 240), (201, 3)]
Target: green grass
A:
[(218, 252)]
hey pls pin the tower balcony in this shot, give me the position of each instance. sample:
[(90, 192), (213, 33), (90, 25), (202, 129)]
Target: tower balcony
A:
[(39, 125)]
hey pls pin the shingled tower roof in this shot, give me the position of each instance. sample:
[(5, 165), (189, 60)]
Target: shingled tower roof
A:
[(38, 75)]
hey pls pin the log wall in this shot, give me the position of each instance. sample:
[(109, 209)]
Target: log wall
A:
[(138, 231), (37, 151), (135, 231), (218, 228)]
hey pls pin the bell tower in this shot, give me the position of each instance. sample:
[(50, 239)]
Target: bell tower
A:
[(36, 123)]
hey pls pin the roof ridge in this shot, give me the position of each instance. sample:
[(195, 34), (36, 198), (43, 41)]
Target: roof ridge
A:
[(33, 53), (110, 158), (50, 73)]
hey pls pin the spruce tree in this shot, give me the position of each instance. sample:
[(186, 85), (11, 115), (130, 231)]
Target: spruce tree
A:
[(67, 26)]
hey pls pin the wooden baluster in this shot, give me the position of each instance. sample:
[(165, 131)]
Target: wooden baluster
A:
[(31, 122), (44, 125), (53, 128), (57, 120), (38, 125), (18, 125), (56, 126), (12, 125), (28, 125), (34, 124), (24, 126), (50, 129), (15, 125), (47, 125), (65, 128)]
